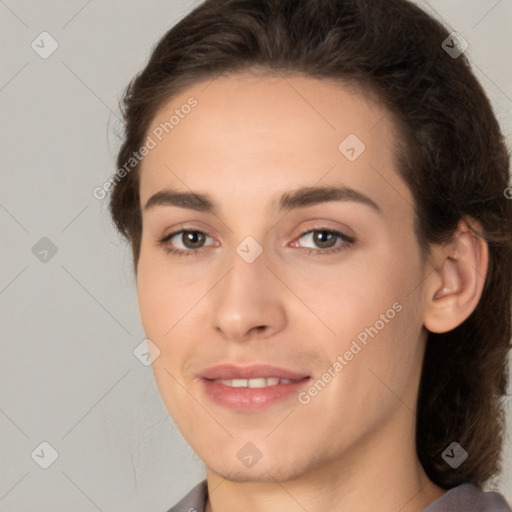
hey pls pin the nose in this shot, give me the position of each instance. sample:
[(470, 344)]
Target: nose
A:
[(248, 303)]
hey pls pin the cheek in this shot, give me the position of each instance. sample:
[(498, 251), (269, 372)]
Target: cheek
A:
[(172, 315), (371, 313), (388, 330), (161, 306), (162, 298), (351, 295)]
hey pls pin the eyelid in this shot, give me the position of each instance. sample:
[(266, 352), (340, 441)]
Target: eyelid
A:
[(341, 234), (346, 241), (319, 224), (163, 242)]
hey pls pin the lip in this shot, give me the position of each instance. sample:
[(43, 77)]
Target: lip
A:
[(232, 371), (245, 398)]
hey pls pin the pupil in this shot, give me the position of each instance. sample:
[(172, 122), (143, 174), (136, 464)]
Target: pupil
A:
[(192, 239), (324, 239)]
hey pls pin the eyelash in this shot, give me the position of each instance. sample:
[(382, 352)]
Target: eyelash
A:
[(348, 242)]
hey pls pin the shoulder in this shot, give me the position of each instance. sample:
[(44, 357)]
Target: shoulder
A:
[(465, 497), (194, 501), (469, 498)]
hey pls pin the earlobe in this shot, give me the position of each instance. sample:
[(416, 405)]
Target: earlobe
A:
[(455, 285)]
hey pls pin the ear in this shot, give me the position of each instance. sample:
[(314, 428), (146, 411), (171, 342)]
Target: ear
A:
[(455, 285)]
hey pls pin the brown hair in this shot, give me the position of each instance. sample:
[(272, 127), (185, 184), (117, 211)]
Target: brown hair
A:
[(453, 158)]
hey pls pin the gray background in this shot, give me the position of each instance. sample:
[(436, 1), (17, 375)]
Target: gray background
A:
[(69, 324)]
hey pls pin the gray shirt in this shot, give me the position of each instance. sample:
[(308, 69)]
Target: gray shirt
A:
[(463, 498)]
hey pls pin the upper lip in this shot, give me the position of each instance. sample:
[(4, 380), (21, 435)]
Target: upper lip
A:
[(232, 371)]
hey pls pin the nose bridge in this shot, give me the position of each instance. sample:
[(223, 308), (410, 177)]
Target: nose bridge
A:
[(247, 299)]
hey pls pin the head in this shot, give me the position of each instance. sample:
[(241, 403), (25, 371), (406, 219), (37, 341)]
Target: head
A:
[(243, 103)]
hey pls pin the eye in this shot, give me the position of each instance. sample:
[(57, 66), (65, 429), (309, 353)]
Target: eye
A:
[(315, 241), (185, 242), (322, 241)]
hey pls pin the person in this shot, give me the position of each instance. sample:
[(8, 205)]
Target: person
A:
[(315, 194)]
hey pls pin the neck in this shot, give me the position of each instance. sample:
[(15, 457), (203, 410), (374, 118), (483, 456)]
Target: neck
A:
[(381, 472)]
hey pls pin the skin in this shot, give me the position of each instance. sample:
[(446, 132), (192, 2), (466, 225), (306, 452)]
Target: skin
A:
[(249, 140)]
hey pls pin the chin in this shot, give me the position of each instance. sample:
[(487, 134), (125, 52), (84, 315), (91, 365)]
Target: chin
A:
[(261, 474), (266, 469)]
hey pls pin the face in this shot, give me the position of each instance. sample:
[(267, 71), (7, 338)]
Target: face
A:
[(279, 277)]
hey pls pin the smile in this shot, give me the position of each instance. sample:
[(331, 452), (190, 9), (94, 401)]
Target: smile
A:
[(259, 382)]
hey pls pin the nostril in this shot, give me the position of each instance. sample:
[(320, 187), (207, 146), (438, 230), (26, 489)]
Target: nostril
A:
[(259, 328)]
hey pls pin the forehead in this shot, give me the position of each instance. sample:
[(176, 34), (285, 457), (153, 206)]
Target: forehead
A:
[(246, 130)]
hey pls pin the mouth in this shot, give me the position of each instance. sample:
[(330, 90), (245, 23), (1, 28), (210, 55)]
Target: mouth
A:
[(258, 382), (251, 388)]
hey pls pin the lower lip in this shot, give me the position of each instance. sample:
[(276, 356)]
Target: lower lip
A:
[(251, 399)]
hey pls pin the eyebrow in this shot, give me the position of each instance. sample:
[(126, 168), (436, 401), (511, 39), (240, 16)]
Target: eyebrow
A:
[(300, 198)]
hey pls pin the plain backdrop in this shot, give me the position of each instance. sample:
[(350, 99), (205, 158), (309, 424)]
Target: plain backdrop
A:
[(69, 317)]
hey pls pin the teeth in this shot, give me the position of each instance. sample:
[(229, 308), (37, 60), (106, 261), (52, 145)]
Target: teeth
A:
[(260, 382), (257, 383)]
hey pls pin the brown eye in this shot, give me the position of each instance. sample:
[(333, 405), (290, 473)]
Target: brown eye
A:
[(324, 239), (192, 239), (321, 238), (186, 242)]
